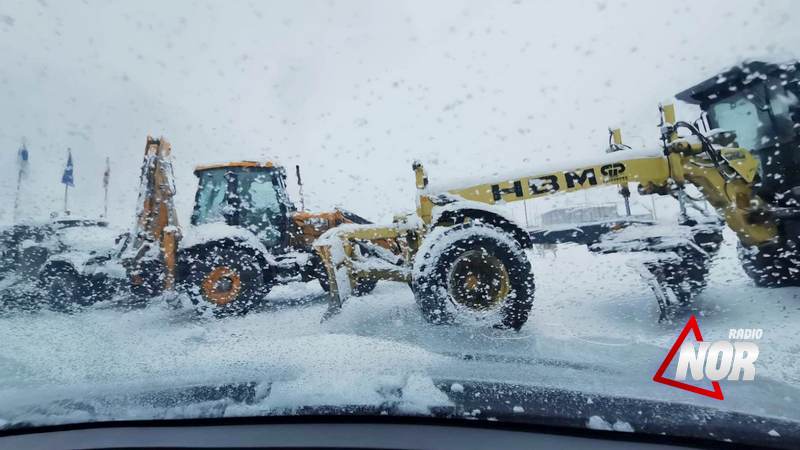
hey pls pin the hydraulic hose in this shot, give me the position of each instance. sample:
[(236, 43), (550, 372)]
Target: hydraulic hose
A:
[(707, 146)]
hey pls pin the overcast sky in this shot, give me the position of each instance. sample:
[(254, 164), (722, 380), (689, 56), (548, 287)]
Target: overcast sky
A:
[(353, 91)]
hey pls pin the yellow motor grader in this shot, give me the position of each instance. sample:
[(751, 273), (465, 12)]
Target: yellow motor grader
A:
[(464, 258)]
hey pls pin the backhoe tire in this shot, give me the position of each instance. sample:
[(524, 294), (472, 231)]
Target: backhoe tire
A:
[(226, 281), (318, 271), (770, 265), (473, 271)]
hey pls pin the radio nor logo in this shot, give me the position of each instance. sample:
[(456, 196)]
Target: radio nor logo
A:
[(733, 360)]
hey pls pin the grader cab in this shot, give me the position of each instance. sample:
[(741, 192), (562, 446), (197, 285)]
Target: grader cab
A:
[(465, 259)]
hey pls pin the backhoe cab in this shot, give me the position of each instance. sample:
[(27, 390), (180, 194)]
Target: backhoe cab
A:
[(246, 194), (464, 259), (247, 236)]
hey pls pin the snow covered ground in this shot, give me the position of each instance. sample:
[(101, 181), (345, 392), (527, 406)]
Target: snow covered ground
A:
[(594, 328)]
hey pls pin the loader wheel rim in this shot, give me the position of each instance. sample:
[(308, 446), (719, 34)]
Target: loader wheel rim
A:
[(222, 285), (478, 280)]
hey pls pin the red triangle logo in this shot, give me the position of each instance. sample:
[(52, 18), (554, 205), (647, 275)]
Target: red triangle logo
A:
[(692, 326)]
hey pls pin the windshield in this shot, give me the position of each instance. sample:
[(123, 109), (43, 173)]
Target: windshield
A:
[(751, 122), (479, 212), (261, 210), (760, 115)]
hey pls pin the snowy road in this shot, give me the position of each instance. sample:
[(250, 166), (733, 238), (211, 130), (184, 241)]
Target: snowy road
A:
[(594, 328)]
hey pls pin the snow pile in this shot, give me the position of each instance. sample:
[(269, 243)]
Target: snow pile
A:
[(99, 353), (411, 394), (598, 423)]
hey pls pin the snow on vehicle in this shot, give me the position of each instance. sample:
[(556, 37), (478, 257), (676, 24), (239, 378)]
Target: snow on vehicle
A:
[(70, 261), (85, 268), (19, 253), (245, 237), (465, 258)]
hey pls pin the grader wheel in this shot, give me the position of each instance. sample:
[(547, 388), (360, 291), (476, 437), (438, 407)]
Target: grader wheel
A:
[(676, 281), (473, 271), (771, 265)]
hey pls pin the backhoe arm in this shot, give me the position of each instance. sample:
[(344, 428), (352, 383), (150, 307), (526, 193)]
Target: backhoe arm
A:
[(151, 257)]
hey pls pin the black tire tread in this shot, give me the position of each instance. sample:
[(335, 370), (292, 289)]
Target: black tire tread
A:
[(431, 293)]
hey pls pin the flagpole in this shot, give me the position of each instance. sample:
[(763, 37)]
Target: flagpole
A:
[(68, 179), (22, 161), (16, 197), (106, 176)]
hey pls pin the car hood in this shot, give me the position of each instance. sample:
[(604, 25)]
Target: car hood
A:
[(421, 396)]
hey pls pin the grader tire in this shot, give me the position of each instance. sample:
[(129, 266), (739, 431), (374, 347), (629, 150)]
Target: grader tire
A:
[(691, 278), (473, 270), (226, 281), (679, 281), (770, 265)]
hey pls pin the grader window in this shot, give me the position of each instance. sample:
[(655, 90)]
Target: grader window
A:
[(742, 114), (760, 115)]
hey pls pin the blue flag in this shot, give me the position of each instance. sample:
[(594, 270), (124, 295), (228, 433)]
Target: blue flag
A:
[(67, 177), (23, 154), (22, 159)]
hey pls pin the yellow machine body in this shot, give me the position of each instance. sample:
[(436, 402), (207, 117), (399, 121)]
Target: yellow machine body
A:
[(728, 188)]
